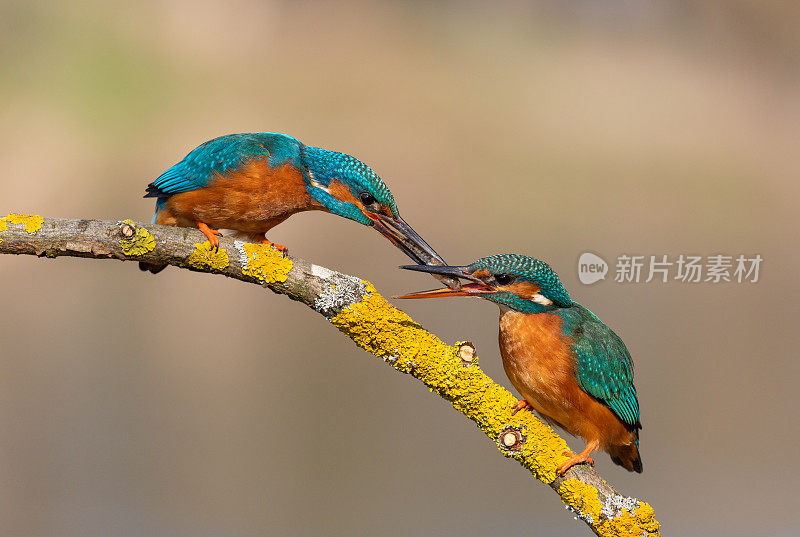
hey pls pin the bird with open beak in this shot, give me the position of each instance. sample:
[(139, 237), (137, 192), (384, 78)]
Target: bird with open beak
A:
[(567, 365)]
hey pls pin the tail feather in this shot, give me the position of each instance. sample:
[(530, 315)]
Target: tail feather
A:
[(627, 456), (155, 269), (153, 191)]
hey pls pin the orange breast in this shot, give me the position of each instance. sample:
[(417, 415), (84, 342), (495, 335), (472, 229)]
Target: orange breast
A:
[(539, 363), (252, 199)]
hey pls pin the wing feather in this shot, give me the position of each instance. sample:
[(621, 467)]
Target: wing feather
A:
[(604, 367), (219, 156)]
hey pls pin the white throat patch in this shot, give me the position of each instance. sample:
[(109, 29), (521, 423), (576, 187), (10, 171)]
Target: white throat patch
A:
[(314, 181)]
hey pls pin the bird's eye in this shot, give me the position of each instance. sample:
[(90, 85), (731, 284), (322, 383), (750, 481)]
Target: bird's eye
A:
[(504, 279), (367, 198)]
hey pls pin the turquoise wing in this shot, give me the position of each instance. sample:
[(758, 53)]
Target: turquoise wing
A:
[(219, 156), (604, 367)]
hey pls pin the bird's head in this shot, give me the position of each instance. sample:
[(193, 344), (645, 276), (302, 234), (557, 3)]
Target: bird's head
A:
[(347, 187), (513, 281)]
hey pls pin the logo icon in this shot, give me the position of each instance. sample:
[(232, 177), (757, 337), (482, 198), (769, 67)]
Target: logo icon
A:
[(591, 268)]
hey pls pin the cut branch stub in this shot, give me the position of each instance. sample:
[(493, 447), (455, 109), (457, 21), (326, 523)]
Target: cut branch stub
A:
[(467, 353), (127, 230), (511, 438)]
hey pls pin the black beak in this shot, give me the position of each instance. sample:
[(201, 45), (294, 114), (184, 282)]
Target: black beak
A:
[(443, 270), (410, 243), (476, 287)]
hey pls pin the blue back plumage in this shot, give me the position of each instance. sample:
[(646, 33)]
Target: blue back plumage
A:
[(319, 167), (604, 368), (221, 155)]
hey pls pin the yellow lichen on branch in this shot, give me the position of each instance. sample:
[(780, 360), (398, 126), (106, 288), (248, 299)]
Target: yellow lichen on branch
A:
[(31, 222), (609, 520), (206, 257), (263, 262), (140, 243), (626, 523), (581, 497), (383, 330)]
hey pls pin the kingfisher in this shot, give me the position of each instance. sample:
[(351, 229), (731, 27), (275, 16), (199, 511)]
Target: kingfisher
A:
[(251, 182), (566, 363)]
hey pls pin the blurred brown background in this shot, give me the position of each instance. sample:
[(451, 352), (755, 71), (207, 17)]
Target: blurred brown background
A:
[(548, 128)]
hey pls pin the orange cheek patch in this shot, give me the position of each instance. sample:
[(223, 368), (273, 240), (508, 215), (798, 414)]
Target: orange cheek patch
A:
[(341, 192), (481, 274), (522, 289)]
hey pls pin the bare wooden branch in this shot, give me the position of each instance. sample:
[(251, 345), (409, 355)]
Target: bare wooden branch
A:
[(356, 309)]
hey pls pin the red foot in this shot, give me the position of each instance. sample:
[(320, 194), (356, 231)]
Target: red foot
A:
[(211, 234), (521, 405), (582, 457), (279, 247)]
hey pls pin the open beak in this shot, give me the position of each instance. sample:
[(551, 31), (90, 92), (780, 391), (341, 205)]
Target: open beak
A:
[(475, 288), (410, 243)]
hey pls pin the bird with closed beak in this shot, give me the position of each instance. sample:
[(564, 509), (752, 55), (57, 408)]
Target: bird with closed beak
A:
[(251, 182)]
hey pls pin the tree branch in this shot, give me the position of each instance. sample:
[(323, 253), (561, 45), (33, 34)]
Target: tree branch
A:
[(357, 310)]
